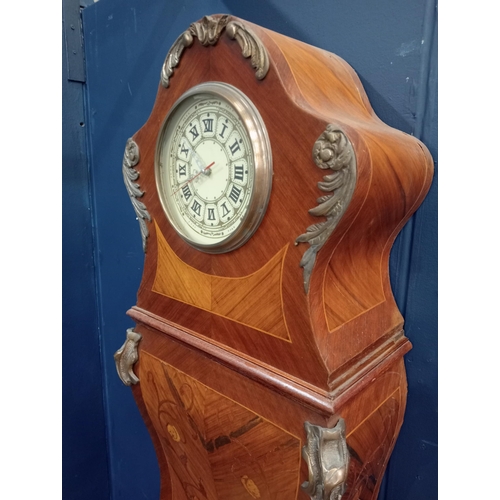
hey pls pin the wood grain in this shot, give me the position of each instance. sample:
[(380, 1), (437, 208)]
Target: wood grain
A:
[(216, 447), (237, 299)]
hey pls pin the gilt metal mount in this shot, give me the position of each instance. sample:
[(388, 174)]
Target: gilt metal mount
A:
[(130, 175), (327, 458), (208, 32), (332, 151), (126, 357)]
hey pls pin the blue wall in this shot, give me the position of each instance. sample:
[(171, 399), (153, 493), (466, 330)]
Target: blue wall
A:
[(393, 47), (84, 454)]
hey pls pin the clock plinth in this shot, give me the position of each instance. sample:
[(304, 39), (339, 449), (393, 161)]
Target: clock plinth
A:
[(271, 369)]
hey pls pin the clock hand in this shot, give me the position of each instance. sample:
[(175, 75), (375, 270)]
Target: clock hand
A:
[(194, 177), (197, 158)]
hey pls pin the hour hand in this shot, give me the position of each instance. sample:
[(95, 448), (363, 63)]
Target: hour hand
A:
[(203, 170)]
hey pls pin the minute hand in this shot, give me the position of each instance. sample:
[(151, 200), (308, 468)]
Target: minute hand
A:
[(194, 177)]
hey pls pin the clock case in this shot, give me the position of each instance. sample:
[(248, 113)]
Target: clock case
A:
[(241, 361)]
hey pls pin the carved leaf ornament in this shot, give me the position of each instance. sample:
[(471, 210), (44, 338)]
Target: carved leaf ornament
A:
[(208, 32), (130, 175), (332, 151)]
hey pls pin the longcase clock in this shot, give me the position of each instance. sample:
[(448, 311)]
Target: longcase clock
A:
[(267, 356)]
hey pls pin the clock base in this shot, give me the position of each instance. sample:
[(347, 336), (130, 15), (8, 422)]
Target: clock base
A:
[(219, 435)]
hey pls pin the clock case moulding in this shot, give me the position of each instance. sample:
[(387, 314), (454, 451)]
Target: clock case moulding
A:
[(304, 309)]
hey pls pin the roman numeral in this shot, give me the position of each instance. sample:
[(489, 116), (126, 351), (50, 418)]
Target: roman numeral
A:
[(194, 133), (238, 172), (211, 214), (225, 210), (186, 192), (235, 194), (223, 130), (209, 125), (184, 150), (182, 169), (235, 147), (196, 208)]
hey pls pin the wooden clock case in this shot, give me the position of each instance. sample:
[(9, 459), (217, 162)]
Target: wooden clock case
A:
[(275, 371)]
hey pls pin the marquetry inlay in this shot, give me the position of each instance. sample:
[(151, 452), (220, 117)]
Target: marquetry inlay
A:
[(218, 448), (237, 299)]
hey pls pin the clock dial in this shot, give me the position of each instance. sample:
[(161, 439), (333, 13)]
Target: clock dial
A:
[(214, 167)]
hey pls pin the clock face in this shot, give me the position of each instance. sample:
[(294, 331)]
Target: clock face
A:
[(214, 167)]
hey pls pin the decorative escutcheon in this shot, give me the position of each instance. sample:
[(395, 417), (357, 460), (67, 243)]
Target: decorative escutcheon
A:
[(327, 458), (126, 357)]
